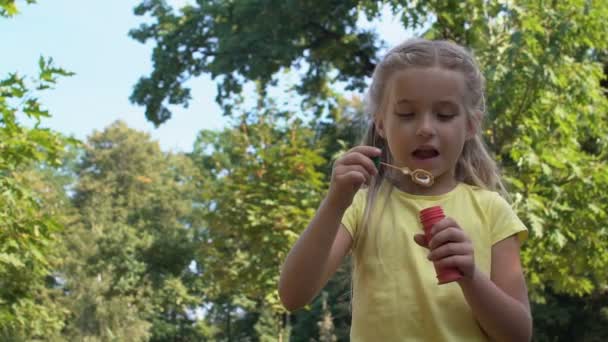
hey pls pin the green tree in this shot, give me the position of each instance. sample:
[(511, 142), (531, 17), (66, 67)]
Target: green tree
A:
[(259, 188), (224, 39), (127, 273), (28, 220)]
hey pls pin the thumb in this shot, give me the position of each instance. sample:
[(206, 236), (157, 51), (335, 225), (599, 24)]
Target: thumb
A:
[(420, 240)]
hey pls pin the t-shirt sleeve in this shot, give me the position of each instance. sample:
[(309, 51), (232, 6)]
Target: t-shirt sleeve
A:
[(353, 217), (505, 222)]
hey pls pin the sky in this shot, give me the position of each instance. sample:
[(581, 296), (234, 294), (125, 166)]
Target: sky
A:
[(90, 38)]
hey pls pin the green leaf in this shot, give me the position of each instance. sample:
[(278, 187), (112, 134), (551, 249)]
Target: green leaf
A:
[(11, 260)]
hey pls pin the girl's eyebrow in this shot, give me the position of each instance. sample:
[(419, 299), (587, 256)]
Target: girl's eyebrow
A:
[(440, 102), (448, 102)]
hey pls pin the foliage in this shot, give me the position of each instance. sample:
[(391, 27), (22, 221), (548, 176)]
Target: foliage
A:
[(27, 231), (549, 123), (8, 8), (221, 39), (260, 186), (572, 318), (127, 273), (334, 301)]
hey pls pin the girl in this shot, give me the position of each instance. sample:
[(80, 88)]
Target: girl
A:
[(426, 104)]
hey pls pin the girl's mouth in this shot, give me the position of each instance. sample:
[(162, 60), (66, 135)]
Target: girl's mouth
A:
[(424, 154)]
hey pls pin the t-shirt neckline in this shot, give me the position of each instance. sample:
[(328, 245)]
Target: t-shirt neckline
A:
[(404, 194)]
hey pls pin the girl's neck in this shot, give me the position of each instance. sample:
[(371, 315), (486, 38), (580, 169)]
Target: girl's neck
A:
[(442, 185)]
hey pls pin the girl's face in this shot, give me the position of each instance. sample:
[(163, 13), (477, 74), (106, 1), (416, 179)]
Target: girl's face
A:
[(425, 124)]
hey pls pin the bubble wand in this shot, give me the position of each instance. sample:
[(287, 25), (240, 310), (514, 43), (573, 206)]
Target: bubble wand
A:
[(419, 176)]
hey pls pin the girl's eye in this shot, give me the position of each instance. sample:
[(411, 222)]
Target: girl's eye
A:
[(405, 115), (445, 116)]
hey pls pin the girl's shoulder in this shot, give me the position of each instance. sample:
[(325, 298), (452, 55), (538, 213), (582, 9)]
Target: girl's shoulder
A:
[(492, 202), (480, 192)]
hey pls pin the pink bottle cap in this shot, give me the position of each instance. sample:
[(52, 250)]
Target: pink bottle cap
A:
[(428, 217), (431, 212)]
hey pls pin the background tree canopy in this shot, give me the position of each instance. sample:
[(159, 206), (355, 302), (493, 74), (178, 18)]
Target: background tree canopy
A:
[(28, 218), (113, 239)]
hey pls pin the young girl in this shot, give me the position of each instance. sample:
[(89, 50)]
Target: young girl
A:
[(426, 104)]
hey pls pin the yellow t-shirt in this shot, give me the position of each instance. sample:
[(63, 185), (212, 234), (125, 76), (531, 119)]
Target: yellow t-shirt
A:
[(395, 291)]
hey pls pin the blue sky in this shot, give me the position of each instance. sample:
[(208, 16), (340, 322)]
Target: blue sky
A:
[(90, 38)]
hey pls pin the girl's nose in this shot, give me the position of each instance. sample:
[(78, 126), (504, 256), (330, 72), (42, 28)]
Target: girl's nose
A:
[(425, 126)]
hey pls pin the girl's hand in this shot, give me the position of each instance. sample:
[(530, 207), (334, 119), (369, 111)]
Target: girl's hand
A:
[(450, 247), (350, 171)]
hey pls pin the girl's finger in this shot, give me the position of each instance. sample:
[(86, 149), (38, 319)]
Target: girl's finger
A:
[(359, 159), (354, 177), (451, 234), (344, 169), (450, 249), (420, 240), (443, 224), (368, 151), (457, 261)]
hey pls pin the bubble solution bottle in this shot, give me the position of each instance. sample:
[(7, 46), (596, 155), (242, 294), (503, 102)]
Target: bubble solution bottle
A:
[(428, 217)]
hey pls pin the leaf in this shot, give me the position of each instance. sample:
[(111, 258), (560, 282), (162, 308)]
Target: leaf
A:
[(11, 260), (8, 8)]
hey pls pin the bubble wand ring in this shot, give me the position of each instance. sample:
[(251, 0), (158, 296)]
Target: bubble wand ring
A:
[(419, 176)]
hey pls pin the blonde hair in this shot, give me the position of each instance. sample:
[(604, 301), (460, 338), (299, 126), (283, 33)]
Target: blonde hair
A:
[(475, 166)]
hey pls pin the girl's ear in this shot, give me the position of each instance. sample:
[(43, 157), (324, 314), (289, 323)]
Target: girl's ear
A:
[(474, 124)]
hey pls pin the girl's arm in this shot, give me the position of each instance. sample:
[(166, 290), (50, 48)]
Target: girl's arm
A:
[(314, 258), (500, 303), (320, 249)]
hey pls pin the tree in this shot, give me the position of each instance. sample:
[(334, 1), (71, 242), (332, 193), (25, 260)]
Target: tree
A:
[(127, 273), (28, 221), (260, 187), (221, 39)]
